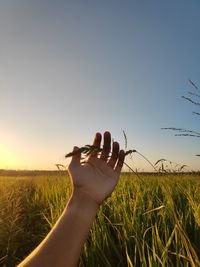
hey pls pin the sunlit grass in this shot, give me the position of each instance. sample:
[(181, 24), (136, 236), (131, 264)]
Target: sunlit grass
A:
[(153, 221)]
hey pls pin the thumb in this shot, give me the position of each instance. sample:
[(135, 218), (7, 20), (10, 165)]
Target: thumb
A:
[(76, 156)]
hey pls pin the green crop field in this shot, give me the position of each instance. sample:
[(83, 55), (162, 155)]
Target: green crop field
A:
[(153, 220)]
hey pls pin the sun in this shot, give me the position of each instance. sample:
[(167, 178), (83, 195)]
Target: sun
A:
[(7, 160)]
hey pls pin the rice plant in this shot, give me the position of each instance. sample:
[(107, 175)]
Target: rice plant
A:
[(150, 222), (192, 97)]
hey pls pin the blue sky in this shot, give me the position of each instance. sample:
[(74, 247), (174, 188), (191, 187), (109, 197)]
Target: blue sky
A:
[(71, 68)]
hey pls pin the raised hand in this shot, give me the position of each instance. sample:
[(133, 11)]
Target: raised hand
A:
[(99, 174)]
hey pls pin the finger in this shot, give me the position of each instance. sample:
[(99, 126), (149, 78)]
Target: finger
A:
[(120, 161), (76, 158), (115, 153), (96, 143), (106, 146)]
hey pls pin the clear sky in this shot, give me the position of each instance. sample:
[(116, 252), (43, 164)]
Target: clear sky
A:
[(71, 68)]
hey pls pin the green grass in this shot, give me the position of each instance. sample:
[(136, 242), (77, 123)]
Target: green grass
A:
[(153, 221)]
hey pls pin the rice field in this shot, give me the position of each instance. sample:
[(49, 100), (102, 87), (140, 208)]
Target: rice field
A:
[(151, 221)]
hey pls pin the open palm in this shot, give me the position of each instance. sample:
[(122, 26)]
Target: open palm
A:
[(98, 176)]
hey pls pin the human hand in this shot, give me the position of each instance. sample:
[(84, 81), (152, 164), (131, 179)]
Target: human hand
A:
[(99, 174)]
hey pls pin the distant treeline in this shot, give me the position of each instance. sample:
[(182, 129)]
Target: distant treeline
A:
[(29, 172), (56, 172)]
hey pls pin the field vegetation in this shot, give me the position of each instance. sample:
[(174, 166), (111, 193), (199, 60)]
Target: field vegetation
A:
[(151, 221)]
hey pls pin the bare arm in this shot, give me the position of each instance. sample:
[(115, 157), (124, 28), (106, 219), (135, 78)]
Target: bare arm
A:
[(93, 182)]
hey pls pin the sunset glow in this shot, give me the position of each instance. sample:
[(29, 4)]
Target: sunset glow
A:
[(7, 159)]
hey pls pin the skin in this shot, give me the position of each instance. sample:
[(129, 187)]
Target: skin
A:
[(93, 181)]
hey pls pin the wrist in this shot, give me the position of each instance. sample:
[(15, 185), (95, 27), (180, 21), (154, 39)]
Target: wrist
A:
[(80, 202), (86, 197)]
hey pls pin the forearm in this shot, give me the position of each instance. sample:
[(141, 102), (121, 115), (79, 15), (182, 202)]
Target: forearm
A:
[(63, 245)]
